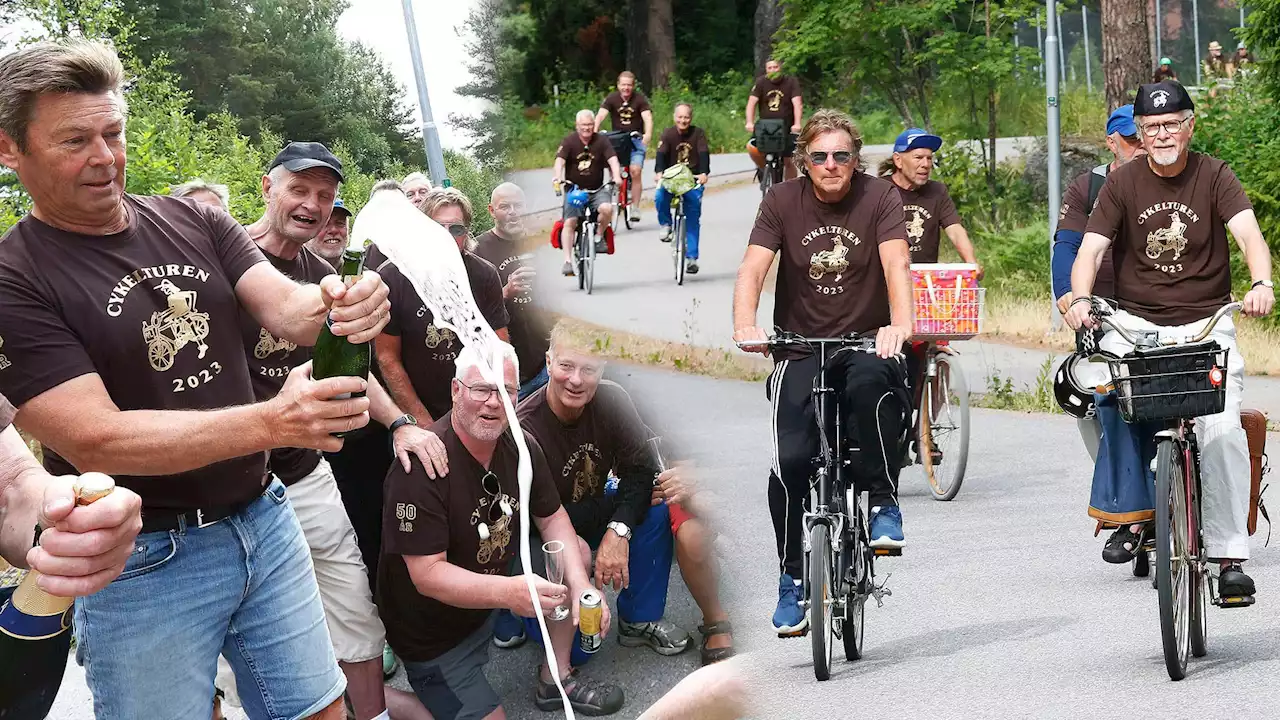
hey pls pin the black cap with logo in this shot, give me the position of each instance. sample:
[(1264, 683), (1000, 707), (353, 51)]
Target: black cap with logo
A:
[(299, 156), (1162, 97)]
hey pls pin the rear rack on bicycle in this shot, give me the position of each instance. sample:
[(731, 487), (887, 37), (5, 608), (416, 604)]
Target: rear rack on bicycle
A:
[(948, 303), (1185, 381)]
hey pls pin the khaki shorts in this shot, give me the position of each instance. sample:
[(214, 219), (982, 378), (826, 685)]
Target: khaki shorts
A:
[(355, 629)]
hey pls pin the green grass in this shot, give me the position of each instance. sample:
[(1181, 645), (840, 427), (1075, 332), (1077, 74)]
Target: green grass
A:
[(1002, 395)]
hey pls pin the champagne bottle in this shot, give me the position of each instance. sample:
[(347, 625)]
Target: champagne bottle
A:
[(35, 636), (335, 356)]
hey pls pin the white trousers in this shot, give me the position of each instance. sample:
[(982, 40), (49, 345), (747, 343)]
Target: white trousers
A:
[(1224, 449)]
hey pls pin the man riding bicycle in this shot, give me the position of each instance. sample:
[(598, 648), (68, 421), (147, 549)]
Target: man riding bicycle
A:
[(581, 160), (1168, 218), (629, 111), (844, 268), (778, 97), (683, 144)]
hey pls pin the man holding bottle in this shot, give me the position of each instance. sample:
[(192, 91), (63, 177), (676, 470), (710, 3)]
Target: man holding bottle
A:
[(123, 354)]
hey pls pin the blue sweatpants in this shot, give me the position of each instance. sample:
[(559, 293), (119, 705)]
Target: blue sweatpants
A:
[(649, 565), (692, 212)]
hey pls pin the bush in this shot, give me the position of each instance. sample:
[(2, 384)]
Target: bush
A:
[(1014, 204)]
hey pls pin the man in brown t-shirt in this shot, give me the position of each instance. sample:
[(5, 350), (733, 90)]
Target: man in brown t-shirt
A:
[(448, 546), (416, 357), (121, 332), (296, 204), (926, 206), (581, 161), (506, 248), (778, 98), (629, 111), (843, 268), (1168, 218)]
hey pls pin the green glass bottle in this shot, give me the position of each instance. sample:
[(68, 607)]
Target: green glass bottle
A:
[(335, 356)]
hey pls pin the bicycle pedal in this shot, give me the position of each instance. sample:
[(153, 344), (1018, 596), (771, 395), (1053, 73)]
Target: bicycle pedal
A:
[(796, 634), (888, 552), (1236, 601)]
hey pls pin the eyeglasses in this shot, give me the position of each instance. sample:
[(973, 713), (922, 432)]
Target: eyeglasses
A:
[(482, 393), (842, 157), (458, 230), (1172, 127)]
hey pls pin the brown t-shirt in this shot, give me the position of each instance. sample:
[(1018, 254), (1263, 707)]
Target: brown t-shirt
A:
[(1074, 216), (830, 281), (626, 114), (1172, 258), (609, 435), (152, 310), (530, 331), (271, 359), (428, 352), (688, 147), (927, 210), (7, 410), (422, 516), (585, 163), (775, 97)]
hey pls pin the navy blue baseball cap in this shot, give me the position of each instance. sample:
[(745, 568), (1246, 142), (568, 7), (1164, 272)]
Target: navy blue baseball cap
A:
[(339, 205), (913, 138), (1121, 121), (299, 156)]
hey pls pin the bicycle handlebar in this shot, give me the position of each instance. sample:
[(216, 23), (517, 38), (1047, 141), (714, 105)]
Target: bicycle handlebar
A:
[(1102, 312), (786, 339)]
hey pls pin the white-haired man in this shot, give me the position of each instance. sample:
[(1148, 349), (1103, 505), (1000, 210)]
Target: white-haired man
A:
[(447, 548), (581, 160), (415, 185), (207, 193)]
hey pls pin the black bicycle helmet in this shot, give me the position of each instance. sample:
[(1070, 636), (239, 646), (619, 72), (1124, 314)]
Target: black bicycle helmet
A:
[(1075, 382)]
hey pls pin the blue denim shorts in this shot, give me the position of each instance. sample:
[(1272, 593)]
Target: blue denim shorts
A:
[(637, 152), (243, 587)]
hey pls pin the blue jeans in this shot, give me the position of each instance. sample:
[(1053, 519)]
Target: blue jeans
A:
[(649, 566), (637, 154), (243, 587), (692, 201), (535, 382)]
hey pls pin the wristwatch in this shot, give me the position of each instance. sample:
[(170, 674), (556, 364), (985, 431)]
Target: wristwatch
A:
[(621, 529), (405, 419), (1264, 283)]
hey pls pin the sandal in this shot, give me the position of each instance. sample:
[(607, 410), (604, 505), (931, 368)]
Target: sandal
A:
[(1121, 546), (715, 655)]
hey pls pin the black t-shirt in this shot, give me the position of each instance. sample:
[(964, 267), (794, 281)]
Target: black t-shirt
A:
[(428, 517), (585, 163), (528, 325), (626, 115), (152, 310)]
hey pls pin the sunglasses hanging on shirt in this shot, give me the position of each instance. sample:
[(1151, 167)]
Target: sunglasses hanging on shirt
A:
[(498, 501)]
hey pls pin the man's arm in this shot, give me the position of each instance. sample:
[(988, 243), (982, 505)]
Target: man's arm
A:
[(895, 258), (960, 239), (387, 351), (797, 105), (1085, 269), (750, 113), (407, 438), (746, 292), (81, 423), (557, 170), (435, 577), (616, 170), (296, 312), (1244, 226), (601, 114), (647, 115)]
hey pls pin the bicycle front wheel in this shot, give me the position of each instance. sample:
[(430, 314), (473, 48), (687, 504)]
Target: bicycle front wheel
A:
[(580, 256), (859, 586), (589, 275), (820, 599), (944, 426), (679, 249), (766, 180), (624, 204), (1173, 572)]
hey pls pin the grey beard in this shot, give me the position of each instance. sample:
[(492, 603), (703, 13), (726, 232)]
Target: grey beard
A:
[(1163, 163)]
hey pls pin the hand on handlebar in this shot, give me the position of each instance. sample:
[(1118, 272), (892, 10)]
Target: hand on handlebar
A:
[(890, 338), (1080, 314), (749, 335), (1259, 301), (559, 189)]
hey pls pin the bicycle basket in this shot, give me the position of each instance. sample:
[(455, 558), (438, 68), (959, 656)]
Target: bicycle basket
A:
[(1187, 381), (948, 302), (771, 135), (678, 179), (621, 142)]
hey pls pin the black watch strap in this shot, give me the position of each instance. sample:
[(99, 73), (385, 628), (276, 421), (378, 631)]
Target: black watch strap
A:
[(405, 419)]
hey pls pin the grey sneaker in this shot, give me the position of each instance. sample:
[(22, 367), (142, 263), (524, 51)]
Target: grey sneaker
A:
[(586, 696), (635, 214), (666, 234), (664, 636)]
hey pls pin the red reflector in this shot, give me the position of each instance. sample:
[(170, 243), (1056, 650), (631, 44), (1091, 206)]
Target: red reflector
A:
[(1215, 377)]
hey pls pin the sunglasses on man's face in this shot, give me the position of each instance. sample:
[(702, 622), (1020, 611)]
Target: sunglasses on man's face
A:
[(842, 157), (458, 230)]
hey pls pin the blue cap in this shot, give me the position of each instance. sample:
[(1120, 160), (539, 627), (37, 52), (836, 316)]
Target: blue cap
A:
[(1121, 121), (338, 205), (913, 138)]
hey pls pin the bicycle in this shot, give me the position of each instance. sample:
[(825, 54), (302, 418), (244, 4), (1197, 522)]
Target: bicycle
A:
[(839, 568), (941, 400), (1162, 381), (624, 195), (771, 173), (585, 240), (679, 239)]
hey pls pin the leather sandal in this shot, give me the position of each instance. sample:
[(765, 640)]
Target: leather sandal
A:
[(715, 655)]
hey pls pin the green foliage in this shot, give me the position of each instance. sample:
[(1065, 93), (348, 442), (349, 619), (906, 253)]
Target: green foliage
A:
[(1001, 395), (1013, 205)]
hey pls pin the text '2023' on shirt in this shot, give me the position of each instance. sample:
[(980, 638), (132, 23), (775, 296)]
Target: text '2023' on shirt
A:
[(271, 358), (927, 210), (1172, 258), (830, 280), (152, 310), (585, 163), (427, 351), (423, 517), (530, 331)]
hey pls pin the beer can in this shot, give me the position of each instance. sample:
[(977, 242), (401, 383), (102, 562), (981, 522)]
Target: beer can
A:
[(590, 619)]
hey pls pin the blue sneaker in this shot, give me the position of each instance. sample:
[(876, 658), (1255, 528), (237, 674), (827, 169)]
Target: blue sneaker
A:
[(789, 619), (508, 630), (886, 527)]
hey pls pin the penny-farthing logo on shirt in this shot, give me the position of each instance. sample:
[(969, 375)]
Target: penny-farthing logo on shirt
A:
[(170, 330), (830, 262), (584, 161), (268, 344), (1167, 243), (773, 100), (626, 114)]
